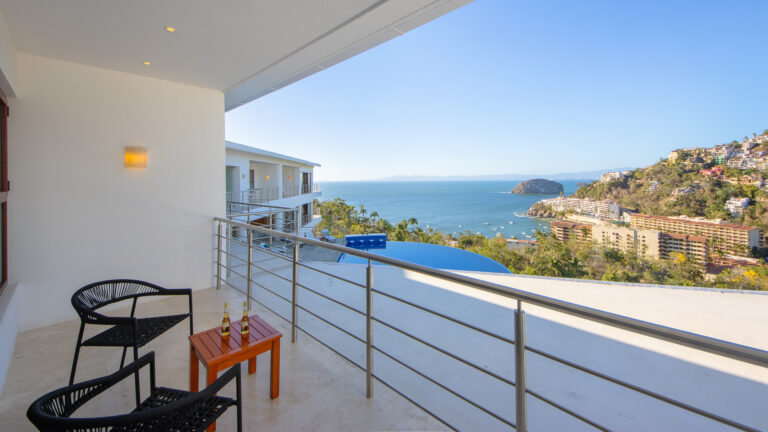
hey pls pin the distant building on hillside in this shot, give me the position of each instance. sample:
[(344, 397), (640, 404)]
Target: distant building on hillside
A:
[(728, 238), (715, 171), (721, 153), (565, 231), (612, 176), (691, 246), (737, 205), (603, 210), (643, 242), (517, 244)]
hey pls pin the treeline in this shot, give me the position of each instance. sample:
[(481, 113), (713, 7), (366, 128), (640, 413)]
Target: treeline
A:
[(550, 257)]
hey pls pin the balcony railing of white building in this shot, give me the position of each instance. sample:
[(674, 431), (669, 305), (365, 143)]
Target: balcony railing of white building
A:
[(244, 252), (265, 195), (295, 190)]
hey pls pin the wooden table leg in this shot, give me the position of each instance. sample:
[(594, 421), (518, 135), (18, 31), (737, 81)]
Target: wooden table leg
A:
[(194, 370), (213, 373), (275, 367), (252, 365)]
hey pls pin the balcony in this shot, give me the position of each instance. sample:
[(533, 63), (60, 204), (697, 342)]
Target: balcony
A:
[(584, 355), (319, 390), (295, 190), (436, 350)]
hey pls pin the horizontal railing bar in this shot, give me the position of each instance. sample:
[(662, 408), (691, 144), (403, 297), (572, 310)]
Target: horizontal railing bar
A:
[(264, 306), (272, 273), (337, 327), (259, 205), (391, 387), (329, 347), (232, 286), (269, 252), (441, 315), (244, 261), (704, 343), (245, 278), (330, 298), (646, 392), (449, 390), (566, 410), (270, 291), (333, 275), (448, 353)]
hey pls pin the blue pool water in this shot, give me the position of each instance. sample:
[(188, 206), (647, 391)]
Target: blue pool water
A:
[(430, 255)]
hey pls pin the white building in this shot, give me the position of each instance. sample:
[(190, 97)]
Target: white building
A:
[(612, 176), (737, 205), (257, 176), (604, 210)]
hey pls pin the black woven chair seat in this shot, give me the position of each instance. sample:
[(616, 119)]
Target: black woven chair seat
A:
[(198, 420), (122, 335), (165, 409)]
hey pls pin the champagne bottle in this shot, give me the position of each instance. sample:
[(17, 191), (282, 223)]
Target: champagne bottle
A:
[(225, 322), (244, 321)]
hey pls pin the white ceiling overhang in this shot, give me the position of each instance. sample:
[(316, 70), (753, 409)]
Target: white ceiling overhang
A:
[(245, 48)]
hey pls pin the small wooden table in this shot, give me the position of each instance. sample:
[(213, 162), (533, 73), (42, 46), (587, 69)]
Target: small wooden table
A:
[(218, 353)]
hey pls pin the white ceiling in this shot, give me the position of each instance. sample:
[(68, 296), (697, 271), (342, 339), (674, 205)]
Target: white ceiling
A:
[(247, 48)]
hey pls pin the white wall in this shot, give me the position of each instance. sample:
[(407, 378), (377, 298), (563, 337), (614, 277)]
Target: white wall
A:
[(77, 215), (9, 328), (7, 59)]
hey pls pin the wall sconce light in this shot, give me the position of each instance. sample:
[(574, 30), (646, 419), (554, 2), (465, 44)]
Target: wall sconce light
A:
[(135, 157), (266, 177)]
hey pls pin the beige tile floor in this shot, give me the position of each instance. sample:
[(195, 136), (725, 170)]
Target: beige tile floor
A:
[(318, 390)]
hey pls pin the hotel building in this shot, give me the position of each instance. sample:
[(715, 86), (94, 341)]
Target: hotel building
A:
[(731, 238)]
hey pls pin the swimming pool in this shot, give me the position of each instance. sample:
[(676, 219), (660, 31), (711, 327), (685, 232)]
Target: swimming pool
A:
[(430, 255)]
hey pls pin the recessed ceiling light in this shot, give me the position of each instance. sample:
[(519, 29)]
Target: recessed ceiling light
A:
[(170, 29), (146, 63)]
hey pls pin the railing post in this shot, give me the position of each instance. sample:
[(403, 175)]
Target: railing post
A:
[(218, 256), (521, 423), (369, 330), (270, 226), (249, 236), (295, 289), (229, 249)]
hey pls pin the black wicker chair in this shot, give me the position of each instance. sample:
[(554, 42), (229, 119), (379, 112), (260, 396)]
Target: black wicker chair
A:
[(125, 331), (165, 409)]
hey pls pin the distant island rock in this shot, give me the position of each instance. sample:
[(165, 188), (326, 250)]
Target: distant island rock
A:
[(538, 187)]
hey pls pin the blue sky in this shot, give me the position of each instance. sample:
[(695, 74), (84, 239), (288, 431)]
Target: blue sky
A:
[(534, 87)]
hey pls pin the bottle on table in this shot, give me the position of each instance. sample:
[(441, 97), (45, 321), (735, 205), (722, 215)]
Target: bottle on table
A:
[(225, 322), (244, 321)]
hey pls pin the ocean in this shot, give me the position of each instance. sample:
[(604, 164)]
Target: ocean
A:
[(484, 207)]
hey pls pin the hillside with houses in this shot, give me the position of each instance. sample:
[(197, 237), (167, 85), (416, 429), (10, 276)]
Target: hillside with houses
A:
[(708, 205), (727, 182)]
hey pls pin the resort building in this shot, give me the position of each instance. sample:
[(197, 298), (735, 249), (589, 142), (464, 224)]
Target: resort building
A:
[(643, 242), (690, 246), (603, 210), (257, 176), (565, 231), (112, 134), (725, 237)]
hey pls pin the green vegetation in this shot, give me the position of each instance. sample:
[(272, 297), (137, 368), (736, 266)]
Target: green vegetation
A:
[(707, 199), (549, 258)]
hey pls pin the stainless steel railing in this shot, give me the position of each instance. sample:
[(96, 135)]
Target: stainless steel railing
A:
[(291, 254), (295, 190)]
